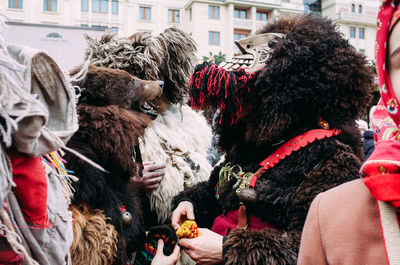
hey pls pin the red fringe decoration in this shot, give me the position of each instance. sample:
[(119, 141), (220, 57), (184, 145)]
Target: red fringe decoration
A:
[(215, 87)]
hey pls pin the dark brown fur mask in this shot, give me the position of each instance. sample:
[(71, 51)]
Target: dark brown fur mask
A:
[(103, 86), (313, 73), (169, 56)]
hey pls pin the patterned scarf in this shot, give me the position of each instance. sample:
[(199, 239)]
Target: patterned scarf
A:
[(381, 172)]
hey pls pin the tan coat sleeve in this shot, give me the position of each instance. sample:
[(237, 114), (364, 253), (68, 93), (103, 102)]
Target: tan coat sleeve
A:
[(311, 247)]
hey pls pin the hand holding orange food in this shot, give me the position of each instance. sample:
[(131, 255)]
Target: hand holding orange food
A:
[(188, 229)]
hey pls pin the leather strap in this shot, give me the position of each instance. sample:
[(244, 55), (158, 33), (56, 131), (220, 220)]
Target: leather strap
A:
[(242, 217), (291, 146)]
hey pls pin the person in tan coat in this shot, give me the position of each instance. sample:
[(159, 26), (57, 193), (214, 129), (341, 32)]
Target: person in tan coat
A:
[(357, 222), (343, 227)]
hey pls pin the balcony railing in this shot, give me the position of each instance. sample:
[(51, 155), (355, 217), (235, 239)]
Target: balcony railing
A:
[(242, 23), (357, 18), (273, 2)]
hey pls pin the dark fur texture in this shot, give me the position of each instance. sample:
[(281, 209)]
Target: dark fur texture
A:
[(280, 246), (108, 130), (312, 73)]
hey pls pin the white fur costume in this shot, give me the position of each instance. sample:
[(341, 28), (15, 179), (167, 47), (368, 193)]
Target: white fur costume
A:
[(180, 137)]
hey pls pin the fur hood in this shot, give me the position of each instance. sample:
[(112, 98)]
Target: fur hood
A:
[(170, 57)]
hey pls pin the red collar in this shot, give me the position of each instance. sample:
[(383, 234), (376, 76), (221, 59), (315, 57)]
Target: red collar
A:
[(291, 146)]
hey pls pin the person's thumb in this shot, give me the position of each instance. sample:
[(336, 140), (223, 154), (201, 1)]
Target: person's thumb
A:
[(160, 245)]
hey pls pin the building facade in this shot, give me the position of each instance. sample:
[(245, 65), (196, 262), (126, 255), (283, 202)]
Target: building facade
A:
[(214, 24), (356, 20)]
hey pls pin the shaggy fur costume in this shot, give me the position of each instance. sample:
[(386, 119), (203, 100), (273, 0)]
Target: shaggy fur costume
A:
[(169, 57), (179, 136), (109, 127), (182, 144), (95, 240), (312, 73)]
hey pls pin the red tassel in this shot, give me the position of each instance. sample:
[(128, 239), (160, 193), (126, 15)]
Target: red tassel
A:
[(207, 84)]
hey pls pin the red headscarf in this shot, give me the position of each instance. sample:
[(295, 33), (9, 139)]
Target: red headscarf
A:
[(381, 172)]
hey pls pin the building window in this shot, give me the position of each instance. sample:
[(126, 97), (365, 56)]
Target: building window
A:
[(15, 4), (114, 7), (54, 35), (190, 14), (286, 1), (173, 15), (360, 9), (114, 29), (352, 32), (84, 25), (239, 36), (144, 13), (353, 8), (361, 33), (240, 13), (85, 5), (213, 12), (50, 5), (213, 38), (362, 50), (262, 16), (103, 28), (100, 6)]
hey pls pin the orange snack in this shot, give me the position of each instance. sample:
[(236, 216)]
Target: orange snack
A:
[(188, 230)]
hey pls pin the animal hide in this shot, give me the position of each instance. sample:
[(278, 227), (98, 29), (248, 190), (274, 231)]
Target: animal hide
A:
[(110, 124), (95, 239), (180, 137), (281, 246), (170, 56)]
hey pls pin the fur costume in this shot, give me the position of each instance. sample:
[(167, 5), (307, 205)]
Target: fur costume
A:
[(179, 136), (109, 127), (95, 239), (312, 73), (181, 145)]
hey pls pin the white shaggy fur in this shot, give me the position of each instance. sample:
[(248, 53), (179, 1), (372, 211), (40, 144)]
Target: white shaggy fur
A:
[(177, 131)]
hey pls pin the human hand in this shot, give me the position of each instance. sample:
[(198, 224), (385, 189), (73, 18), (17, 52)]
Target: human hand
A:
[(152, 175), (183, 212), (161, 259), (205, 249)]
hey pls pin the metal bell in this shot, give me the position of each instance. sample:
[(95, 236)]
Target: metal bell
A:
[(247, 196), (126, 218)]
